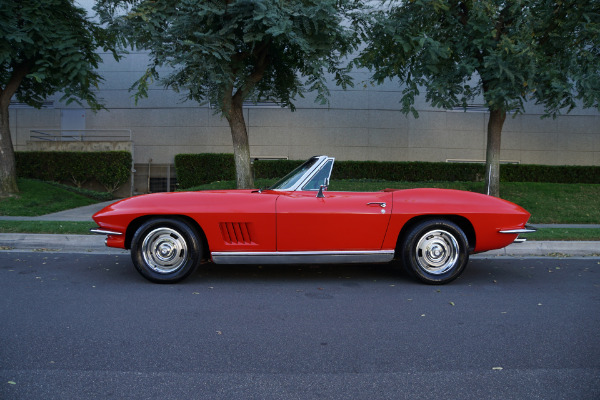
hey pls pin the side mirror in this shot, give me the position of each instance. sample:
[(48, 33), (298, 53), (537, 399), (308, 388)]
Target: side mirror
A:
[(322, 188)]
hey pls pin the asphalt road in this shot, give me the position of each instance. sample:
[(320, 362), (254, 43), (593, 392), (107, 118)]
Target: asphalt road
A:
[(84, 326)]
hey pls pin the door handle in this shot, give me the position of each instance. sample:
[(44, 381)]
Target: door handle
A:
[(379, 203)]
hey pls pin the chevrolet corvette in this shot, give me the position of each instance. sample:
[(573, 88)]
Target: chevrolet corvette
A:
[(297, 220)]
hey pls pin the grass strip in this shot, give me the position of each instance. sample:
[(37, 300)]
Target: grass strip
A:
[(567, 234), (57, 227), (547, 202)]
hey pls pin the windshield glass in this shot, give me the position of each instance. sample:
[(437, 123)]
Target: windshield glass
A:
[(290, 179), (319, 178)]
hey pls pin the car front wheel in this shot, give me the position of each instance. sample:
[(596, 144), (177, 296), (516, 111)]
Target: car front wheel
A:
[(435, 251), (165, 250)]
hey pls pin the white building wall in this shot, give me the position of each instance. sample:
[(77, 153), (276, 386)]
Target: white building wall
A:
[(363, 123)]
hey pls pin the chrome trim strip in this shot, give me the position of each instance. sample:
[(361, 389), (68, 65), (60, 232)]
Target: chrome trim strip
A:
[(520, 240), (527, 229), (524, 230), (105, 232), (302, 257)]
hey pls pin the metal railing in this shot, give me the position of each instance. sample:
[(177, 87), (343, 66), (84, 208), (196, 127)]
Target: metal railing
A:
[(80, 135), (478, 161)]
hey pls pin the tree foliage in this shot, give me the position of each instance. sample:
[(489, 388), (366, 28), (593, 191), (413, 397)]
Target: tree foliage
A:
[(502, 53), (227, 52), (50, 46), (46, 47)]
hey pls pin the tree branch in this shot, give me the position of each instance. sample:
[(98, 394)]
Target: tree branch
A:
[(20, 71), (261, 53)]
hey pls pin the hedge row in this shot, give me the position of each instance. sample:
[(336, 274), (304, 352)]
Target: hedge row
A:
[(464, 172), (109, 168), (198, 169)]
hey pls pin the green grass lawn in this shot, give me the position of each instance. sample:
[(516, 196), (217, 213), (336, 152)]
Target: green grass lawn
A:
[(40, 198), (548, 203)]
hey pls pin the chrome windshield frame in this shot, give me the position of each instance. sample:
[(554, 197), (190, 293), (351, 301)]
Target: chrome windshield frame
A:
[(307, 175)]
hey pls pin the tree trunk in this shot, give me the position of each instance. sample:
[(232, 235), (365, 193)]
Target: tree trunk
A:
[(241, 146), (8, 167), (8, 170), (233, 111), (492, 163)]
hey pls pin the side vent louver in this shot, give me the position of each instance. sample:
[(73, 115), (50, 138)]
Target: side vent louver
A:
[(235, 232)]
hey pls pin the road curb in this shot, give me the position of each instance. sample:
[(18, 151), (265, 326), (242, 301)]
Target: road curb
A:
[(95, 244), (55, 243), (547, 249)]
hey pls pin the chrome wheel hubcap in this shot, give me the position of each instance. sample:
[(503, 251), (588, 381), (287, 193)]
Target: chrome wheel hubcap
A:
[(437, 252), (164, 250)]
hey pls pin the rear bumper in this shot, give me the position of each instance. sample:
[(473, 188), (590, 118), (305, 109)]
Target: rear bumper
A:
[(527, 229)]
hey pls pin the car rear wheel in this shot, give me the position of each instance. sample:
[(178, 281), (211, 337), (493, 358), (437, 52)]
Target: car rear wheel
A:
[(435, 251), (165, 250)]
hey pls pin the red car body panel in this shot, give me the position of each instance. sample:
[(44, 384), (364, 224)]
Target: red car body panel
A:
[(297, 221), (488, 215), (338, 221), (235, 220), (269, 221)]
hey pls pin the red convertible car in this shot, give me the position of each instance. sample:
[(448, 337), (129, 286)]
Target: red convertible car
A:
[(297, 221)]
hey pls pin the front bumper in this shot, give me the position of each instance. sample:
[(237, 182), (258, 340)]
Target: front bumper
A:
[(105, 232), (113, 238)]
